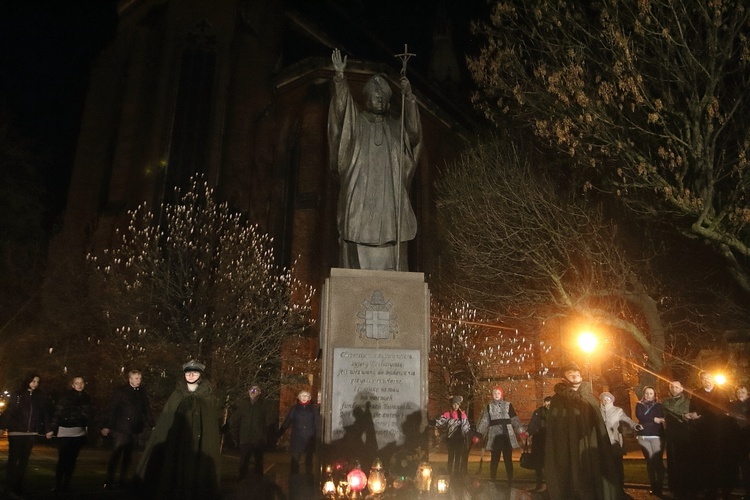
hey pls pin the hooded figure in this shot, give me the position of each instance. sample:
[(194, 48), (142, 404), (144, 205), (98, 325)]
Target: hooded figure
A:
[(181, 460), (578, 457)]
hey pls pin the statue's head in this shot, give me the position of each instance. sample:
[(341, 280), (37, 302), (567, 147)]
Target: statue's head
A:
[(377, 95)]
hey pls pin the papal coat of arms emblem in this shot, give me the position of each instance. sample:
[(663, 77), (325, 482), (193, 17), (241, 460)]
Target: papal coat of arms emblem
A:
[(379, 322)]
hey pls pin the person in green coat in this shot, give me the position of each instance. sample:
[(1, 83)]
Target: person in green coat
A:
[(578, 457), (181, 460)]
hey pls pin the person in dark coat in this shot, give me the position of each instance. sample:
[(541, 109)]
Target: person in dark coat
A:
[(248, 425), (679, 442), (538, 432), (578, 461), (181, 459), (304, 419), (69, 423), (739, 410), (25, 418), (129, 413), (708, 415), (650, 415)]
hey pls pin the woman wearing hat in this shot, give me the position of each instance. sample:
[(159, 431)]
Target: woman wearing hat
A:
[(181, 460), (457, 430)]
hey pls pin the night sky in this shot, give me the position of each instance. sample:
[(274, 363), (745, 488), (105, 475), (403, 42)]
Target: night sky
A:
[(47, 48)]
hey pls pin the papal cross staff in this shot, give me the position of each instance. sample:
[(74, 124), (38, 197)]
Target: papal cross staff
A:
[(404, 57)]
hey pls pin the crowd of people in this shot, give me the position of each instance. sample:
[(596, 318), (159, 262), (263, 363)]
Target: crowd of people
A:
[(181, 456), (577, 439)]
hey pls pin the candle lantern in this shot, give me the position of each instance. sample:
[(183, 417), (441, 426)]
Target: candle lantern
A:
[(424, 477), (357, 480), (376, 482), (329, 487), (442, 485)]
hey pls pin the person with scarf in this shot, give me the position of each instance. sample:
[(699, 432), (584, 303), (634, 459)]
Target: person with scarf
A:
[(25, 418), (614, 417), (182, 457), (304, 419), (578, 463), (679, 441), (70, 421), (499, 424), (650, 415), (457, 429)]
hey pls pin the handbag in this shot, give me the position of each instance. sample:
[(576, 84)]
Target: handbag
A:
[(527, 459)]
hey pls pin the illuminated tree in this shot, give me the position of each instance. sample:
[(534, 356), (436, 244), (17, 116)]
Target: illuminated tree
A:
[(469, 352), (647, 98), (525, 249), (195, 280)]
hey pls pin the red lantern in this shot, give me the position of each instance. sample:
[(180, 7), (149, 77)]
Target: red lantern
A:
[(357, 479)]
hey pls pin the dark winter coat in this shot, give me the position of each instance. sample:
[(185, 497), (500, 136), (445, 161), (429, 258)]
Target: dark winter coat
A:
[(129, 411), (679, 444), (713, 442), (538, 433), (181, 459), (249, 422), (646, 412), (579, 463), (74, 409), (304, 421), (27, 413)]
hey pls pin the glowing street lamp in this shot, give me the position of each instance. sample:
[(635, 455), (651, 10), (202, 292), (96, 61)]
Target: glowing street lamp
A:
[(720, 379), (587, 341)]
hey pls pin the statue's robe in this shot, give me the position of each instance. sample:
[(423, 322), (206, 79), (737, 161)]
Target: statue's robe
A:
[(365, 153)]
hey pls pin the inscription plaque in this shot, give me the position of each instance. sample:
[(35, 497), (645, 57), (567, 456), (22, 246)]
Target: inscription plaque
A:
[(382, 382)]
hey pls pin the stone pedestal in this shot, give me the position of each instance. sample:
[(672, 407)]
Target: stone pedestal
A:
[(375, 342)]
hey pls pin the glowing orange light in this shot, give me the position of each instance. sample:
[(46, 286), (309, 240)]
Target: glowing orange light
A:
[(587, 341)]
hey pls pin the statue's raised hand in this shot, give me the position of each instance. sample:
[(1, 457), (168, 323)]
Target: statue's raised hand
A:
[(339, 63)]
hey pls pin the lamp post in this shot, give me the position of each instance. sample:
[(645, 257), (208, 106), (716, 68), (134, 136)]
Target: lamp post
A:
[(587, 341)]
